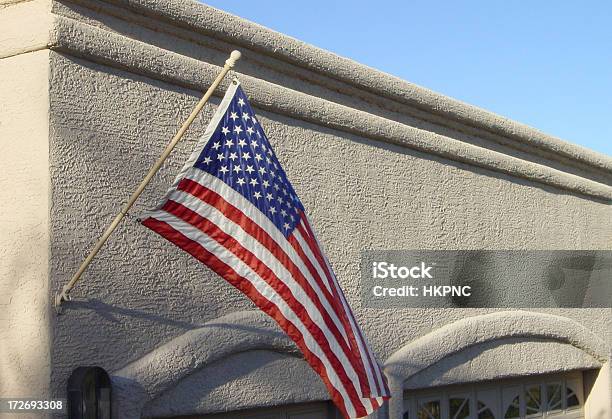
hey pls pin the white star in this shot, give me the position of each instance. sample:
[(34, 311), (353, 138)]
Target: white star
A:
[(249, 169), (241, 142), (257, 195), (258, 134), (254, 143), (254, 182), (286, 225), (225, 131), (241, 102), (229, 142), (268, 159), (233, 156), (276, 187), (216, 145), (207, 160), (237, 129), (240, 181), (220, 157), (283, 213), (258, 157), (280, 200), (234, 116), (237, 169), (262, 170), (284, 191), (254, 120), (266, 183), (224, 169), (272, 173), (245, 116), (272, 210), (269, 196), (250, 130), (246, 156)]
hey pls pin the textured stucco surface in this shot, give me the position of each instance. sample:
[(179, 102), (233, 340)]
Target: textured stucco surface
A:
[(470, 348), (247, 378), (74, 38), (275, 57), (160, 370), (24, 226), (481, 362), (387, 166), (360, 194)]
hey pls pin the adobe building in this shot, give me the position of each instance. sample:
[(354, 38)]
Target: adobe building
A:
[(93, 90)]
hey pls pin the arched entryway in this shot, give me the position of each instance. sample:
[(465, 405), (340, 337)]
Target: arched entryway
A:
[(503, 365)]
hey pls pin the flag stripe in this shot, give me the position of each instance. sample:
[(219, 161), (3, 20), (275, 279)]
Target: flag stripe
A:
[(381, 385), (363, 347), (262, 222), (226, 233), (233, 208), (302, 230), (310, 253), (241, 276), (259, 233), (233, 198)]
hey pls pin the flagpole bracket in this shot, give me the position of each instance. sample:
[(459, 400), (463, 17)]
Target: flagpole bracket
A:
[(64, 295)]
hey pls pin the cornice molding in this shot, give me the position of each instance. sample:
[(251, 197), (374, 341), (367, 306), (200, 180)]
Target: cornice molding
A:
[(74, 37)]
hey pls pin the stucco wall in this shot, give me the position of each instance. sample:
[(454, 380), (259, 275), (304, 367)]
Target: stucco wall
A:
[(360, 194), (378, 163), (24, 226)]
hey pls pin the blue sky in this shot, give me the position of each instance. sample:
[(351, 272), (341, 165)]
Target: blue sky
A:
[(547, 64)]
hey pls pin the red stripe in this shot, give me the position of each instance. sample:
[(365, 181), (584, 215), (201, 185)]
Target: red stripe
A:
[(241, 283), (355, 356), (358, 361), (373, 368), (238, 217), (258, 266), (311, 240), (252, 228)]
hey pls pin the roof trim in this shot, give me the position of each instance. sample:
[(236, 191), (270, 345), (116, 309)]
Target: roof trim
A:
[(78, 39), (230, 28)]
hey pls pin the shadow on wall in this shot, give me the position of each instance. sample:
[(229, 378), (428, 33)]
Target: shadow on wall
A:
[(112, 313)]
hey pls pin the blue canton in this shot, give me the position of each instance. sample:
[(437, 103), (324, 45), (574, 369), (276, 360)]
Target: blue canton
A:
[(240, 154)]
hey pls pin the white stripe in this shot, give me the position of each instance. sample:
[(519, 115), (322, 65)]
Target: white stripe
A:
[(251, 211), (333, 279), (313, 260), (364, 351), (210, 130), (263, 288), (234, 198), (247, 241), (364, 347)]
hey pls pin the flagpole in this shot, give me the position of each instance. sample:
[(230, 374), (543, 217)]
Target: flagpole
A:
[(64, 295)]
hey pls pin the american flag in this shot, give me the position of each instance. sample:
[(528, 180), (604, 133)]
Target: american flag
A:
[(233, 208)]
